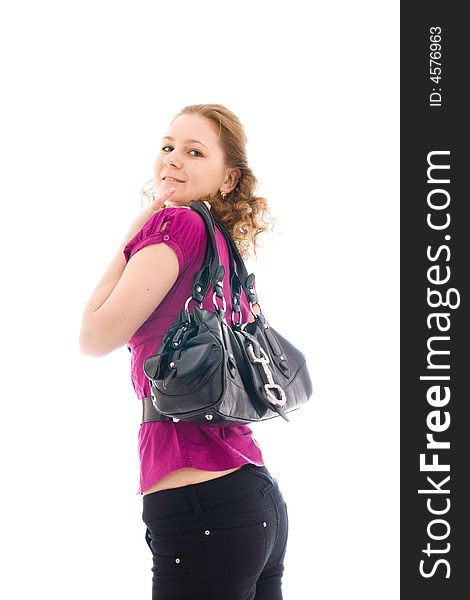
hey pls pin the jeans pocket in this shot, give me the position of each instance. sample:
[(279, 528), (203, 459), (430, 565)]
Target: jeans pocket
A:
[(236, 547), (167, 552), (179, 563), (167, 566)]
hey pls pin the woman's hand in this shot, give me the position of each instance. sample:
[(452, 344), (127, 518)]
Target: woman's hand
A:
[(147, 212)]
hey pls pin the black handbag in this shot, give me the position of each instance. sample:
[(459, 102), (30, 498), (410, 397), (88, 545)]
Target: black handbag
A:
[(208, 373)]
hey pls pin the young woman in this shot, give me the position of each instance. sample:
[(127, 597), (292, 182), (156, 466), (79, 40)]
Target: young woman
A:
[(216, 521)]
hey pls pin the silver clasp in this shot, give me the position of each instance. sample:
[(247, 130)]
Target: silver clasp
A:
[(224, 304), (270, 386), (186, 305)]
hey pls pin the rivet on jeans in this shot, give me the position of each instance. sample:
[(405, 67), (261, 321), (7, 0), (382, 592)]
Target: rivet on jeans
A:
[(207, 532), (177, 561), (264, 523)]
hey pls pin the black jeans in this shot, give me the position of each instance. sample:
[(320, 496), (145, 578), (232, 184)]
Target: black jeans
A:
[(222, 539)]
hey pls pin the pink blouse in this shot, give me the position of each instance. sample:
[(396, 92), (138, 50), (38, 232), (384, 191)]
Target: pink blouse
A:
[(167, 446)]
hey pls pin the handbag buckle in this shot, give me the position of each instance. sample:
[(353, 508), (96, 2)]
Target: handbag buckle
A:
[(263, 360), (271, 397)]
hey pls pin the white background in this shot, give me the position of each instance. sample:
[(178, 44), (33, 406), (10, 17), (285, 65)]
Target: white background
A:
[(89, 88)]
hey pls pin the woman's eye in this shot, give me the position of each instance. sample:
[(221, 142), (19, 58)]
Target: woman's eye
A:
[(194, 153)]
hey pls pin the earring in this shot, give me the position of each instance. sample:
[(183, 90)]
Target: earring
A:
[(223, 194)]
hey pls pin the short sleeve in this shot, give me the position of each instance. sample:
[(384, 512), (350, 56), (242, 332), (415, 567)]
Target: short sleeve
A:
[(180, 228)]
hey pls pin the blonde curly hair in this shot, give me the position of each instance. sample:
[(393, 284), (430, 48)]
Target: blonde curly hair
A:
[(244, 214)]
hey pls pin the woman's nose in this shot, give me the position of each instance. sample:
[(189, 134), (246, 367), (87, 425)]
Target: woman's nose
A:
[(171, 159)]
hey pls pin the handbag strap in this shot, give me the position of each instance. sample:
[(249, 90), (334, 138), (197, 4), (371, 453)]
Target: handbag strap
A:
[(239, 277), (211, 270)]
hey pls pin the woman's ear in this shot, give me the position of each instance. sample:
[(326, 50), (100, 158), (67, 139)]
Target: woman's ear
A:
[(231, 180)]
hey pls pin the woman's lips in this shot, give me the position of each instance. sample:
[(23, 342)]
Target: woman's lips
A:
[(172, 180)]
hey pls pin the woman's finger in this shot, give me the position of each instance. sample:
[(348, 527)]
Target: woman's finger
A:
[(165, 195)]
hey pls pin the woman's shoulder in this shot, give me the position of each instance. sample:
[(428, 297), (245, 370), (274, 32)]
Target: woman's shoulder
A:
[(182, 220), (185, 226), (179, 214), (179, 227)]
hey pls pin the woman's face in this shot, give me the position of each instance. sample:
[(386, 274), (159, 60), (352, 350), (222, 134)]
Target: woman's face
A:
[(191, 160)]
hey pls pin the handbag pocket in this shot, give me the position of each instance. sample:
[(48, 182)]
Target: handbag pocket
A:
[(194, 358), (190, 374)]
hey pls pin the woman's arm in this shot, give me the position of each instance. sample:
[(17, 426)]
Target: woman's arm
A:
[(127, 295)]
